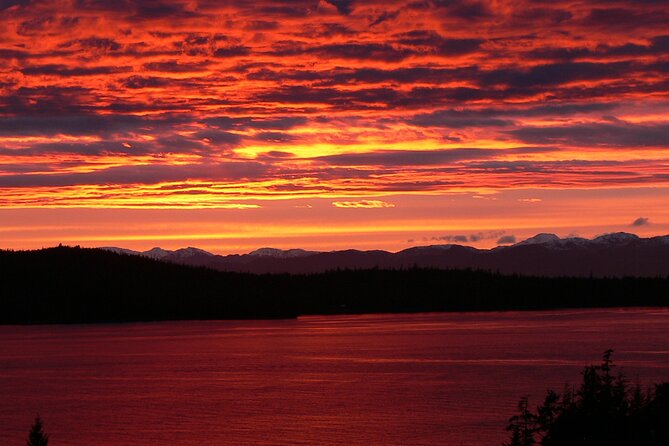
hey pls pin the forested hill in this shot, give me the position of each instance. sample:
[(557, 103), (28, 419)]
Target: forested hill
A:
[(69, 285)]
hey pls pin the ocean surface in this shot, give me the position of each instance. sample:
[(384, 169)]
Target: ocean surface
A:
[(411, 379)]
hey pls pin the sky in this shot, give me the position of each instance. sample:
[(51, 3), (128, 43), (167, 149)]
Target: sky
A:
[(232, 125)]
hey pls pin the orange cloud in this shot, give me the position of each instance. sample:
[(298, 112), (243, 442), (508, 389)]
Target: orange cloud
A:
[(208, 104)]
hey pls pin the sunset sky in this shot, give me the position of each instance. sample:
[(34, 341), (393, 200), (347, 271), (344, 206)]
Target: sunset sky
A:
[(231, 125)]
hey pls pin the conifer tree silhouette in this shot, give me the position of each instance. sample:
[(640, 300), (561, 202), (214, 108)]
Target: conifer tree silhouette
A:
[(603, 411), (37, 437)]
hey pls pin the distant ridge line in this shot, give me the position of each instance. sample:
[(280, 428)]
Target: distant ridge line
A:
[(610, 255)]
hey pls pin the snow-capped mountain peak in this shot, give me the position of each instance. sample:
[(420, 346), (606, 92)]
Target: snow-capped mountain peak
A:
[(616, 238), (156, 253), (190, 252), (540, 239), (280, 253)]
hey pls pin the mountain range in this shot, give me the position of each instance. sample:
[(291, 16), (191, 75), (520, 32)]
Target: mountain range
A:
[(610, 255)]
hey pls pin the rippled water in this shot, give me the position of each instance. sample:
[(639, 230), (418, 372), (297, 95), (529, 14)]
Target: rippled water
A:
[(418, 379)]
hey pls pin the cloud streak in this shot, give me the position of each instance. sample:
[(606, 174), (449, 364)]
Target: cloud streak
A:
[(363, 204), (506, 240)]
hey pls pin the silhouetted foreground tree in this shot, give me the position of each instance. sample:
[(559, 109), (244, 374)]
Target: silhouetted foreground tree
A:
[(604, 411), (37, 437)]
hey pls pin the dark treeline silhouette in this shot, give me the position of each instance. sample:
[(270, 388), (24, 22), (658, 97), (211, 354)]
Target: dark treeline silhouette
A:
[(65, 285), (604, 411)]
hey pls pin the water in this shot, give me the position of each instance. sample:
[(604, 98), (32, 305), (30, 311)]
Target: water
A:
[(418, 379)]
